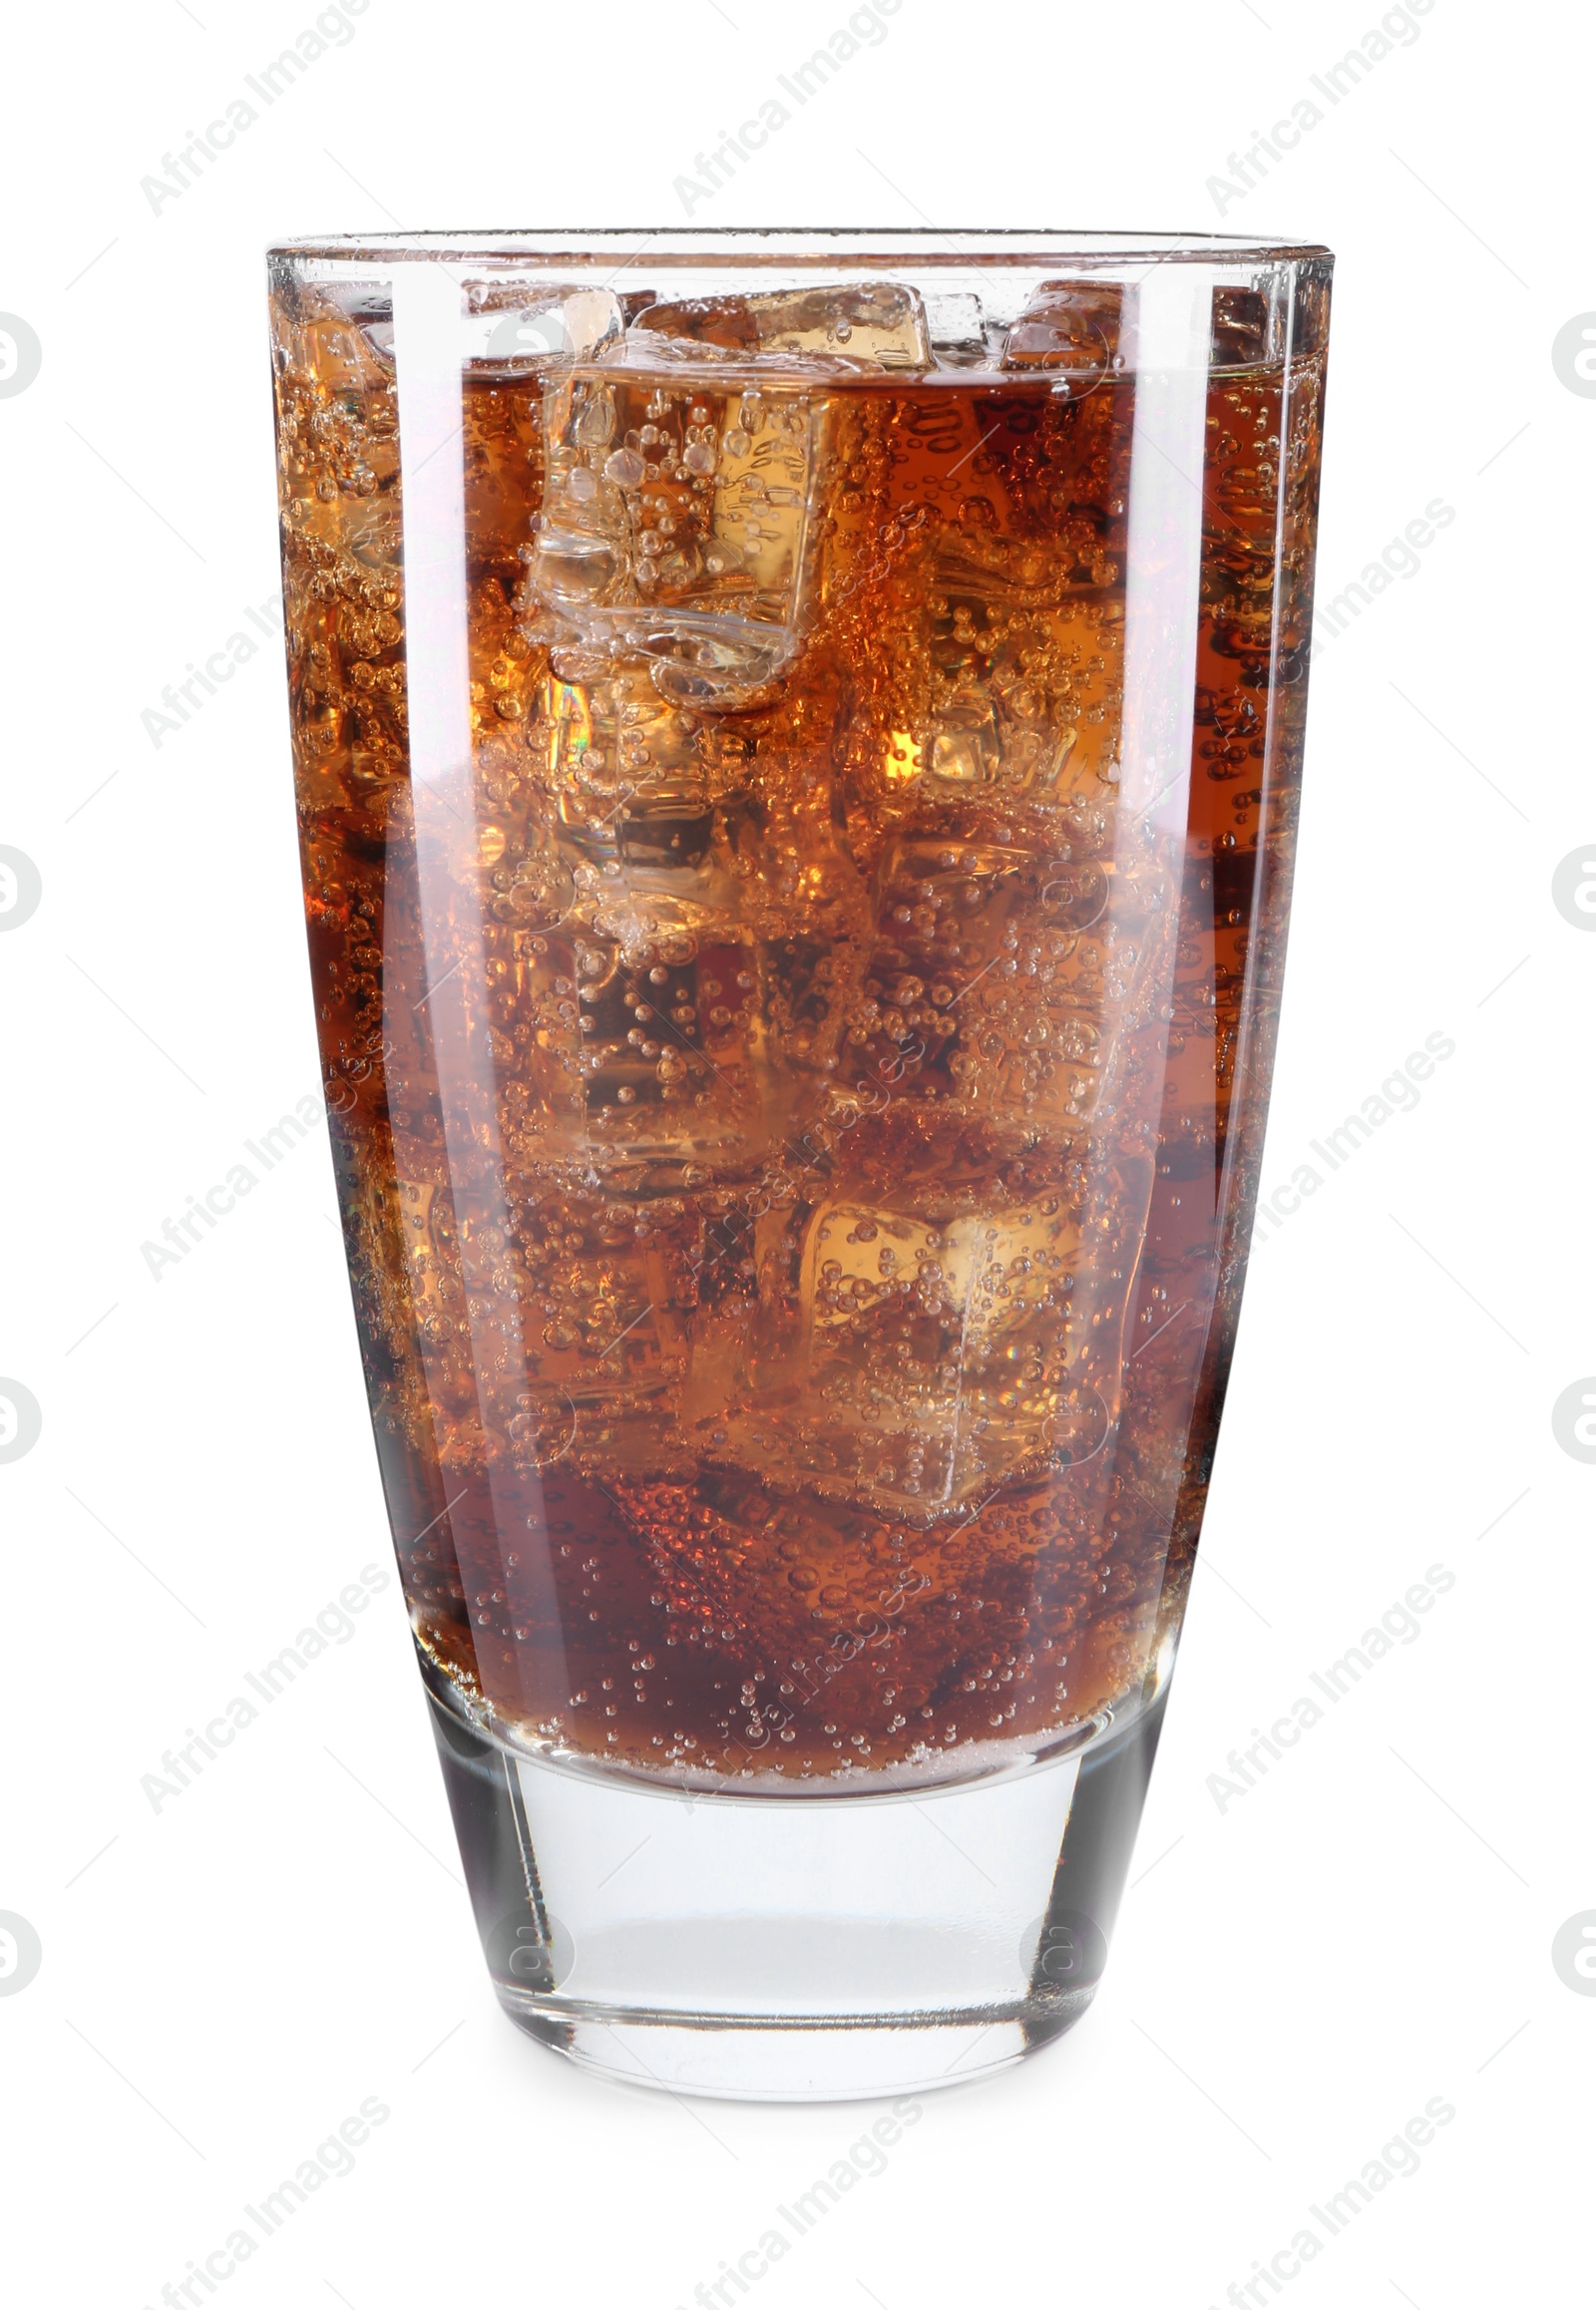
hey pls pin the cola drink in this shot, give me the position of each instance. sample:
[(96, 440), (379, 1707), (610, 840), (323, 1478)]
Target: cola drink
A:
[(801, 1055)]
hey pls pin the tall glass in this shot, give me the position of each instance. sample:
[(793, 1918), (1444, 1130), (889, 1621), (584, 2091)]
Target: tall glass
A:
[(798, 740)]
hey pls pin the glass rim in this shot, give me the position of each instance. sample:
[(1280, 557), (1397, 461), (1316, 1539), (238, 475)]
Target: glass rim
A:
[(816, 245)]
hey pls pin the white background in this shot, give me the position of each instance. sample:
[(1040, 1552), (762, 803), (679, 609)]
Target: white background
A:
[(1295, 1976)]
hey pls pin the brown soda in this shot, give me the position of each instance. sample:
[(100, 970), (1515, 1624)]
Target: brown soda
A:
[(873, 1167)]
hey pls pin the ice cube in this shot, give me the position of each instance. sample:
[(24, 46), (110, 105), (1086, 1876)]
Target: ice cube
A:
[(725, 324), (880, 322), (640, 1049), (643, 1043), (558, 321), (688, 1002), (626, 772), (583, 550), (1005, 982), (1072, 328), (956, 329), (676, 526), (513, 330), (1007, 699), (910, 1363), (608, 1308), (1242, 328), (963, 749)]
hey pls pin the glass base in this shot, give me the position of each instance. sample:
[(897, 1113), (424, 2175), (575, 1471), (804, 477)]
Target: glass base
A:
[(791, 1948)]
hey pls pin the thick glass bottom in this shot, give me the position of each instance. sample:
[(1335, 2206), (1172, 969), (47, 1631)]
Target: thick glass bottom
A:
[(796, 1949)]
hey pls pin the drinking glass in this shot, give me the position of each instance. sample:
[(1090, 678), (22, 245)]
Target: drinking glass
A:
[(797, 740)]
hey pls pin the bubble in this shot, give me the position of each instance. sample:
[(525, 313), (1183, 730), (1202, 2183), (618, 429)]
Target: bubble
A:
[(625, 467)]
